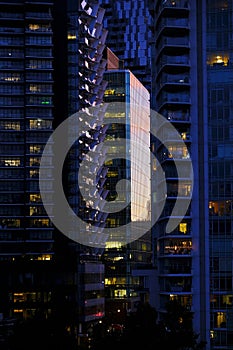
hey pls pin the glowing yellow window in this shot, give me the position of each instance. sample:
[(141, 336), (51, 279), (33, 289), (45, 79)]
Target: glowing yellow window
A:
[(183, 227)]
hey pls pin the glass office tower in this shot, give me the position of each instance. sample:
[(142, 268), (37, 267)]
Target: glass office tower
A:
[(128, 132)]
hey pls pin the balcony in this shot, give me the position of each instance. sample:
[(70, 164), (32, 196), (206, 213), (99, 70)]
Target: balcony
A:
[(38, 41), (11, 30), (180, 116), (173, 43), (176, 287), (167, 211), (174, 156), (11, 41), (168, 25), (176, 269), (167, 7), (38, 15), (11, 15), (173, 63), (175, 99), (173, 82)]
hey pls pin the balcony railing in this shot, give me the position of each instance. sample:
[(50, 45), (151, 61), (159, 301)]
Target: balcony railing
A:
[(174, 41), (177, 288), (10, 30), (174, 79), (182, 116), (11, 15), (177, 269), (173, 60), (40, 15), (173, 22), (5, 41), (174, 98)]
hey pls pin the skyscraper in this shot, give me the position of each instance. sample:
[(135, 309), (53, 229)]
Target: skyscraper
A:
[(51, 66), (191, 87), (26, 114), (128, 137), (128, 25), (179, 94)]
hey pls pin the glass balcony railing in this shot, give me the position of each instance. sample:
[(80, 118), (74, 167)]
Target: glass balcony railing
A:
[(173, 22), (174, 98), (174, 41), (173, 60), (178, 269), (177, 115), (173, 79)]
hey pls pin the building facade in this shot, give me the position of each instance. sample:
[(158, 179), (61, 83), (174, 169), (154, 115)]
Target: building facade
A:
[(191, 87), (219, 49), (27, 242), (128, 24), (51, 66), (128, 129), (179, 95)]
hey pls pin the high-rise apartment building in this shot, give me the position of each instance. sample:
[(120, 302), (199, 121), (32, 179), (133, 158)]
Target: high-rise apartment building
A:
[(192, 88), (51, 66), (179, 94), (26, 117)]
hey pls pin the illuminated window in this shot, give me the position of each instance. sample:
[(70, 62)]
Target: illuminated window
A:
[(34, 161), (112, 173), (220, 208), (221, 319), (71, 36), (115, 115), (40, 124), (9, 125), (18, 297), (35, 197), (183, 227), (120, 293), (40, 223), (11, 162), (109, 162), (45, 257), (221, 59), (109, 92), (227, 299), (34, 173), (34, 88), (118, 258), (33, 26), (35, 148), (144, 247), (111, 245), (11, 77)]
